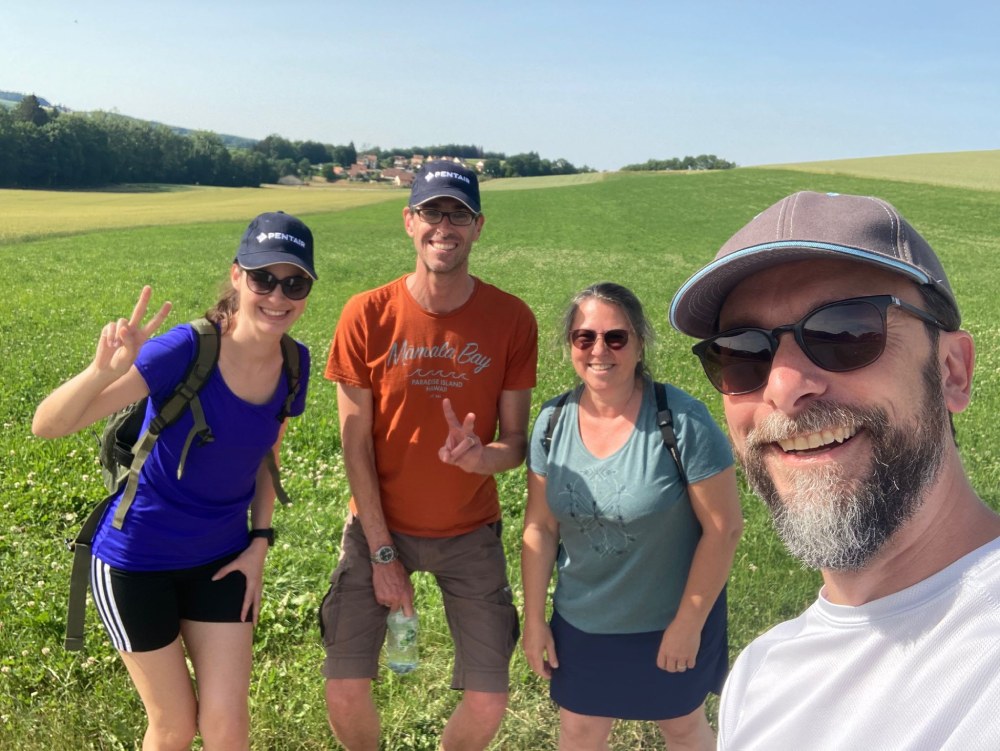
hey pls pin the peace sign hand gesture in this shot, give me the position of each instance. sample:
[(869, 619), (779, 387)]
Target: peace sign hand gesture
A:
[(462, 447), (121, 340), (107, 384)]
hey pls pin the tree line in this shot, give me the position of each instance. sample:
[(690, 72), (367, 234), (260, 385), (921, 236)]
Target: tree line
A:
[(700, 162), (43, 147), (47, 149), (530, 165)]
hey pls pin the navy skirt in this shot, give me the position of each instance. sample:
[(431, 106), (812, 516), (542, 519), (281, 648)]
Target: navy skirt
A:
[(615, 675)]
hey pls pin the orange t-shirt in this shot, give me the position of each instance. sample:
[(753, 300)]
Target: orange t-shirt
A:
[(411, 359)]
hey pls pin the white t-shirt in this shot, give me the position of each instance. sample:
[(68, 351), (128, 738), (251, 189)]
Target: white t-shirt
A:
[(919, 669)]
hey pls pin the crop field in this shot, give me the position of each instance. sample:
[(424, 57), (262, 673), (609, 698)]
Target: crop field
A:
[(80, 260), (979, 170), (29, 214)]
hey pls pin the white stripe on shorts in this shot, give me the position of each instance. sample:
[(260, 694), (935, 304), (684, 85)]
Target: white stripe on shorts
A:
[(107, 608)]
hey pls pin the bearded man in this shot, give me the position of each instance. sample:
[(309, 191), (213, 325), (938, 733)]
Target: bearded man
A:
[(831, 330)]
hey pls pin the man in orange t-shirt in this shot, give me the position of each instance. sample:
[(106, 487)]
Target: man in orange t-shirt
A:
[(408, 358)]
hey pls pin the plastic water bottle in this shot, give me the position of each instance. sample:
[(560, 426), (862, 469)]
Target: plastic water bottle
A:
[(401, 651)]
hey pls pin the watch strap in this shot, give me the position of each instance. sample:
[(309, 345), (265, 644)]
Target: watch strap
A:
[(266, 533)]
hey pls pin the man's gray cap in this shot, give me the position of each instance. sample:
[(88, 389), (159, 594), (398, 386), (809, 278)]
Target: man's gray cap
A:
[(803, 226)]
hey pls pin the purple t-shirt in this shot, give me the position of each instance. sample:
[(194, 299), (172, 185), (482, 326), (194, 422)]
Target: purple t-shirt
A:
[(183, 523)]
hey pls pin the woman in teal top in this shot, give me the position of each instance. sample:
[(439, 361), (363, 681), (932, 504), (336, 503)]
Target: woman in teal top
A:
[(638, 629)]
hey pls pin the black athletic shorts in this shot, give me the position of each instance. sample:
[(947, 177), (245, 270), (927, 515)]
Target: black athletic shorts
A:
[(142, 610)]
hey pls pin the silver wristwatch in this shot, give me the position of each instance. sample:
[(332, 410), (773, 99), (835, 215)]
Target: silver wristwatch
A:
[(385, 554)]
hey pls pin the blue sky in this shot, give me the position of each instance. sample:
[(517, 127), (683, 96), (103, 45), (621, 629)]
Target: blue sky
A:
[(598, 83)]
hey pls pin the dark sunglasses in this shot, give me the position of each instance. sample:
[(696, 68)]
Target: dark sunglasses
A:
[(459, 218), (841, 336), (293, 287), (615, 339)]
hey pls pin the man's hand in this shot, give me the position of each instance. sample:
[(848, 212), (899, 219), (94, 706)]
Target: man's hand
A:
[(392, 586), (462, 448)]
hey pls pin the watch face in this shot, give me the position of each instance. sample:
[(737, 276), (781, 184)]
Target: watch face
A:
[(384, 554)]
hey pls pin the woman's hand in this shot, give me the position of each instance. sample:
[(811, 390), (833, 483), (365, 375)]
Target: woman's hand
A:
[(121, 340), (106, 385), (678, 648), (539, 649), (250, 563)]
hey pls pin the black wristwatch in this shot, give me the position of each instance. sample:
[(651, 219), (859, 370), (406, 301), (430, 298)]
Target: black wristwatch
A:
[(267, 534), (385, 554)]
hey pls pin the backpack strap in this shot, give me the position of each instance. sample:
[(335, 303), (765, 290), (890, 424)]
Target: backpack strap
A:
[(184, 395), (77, 609), (199, 429), (291, 363), (553, 419), (665, 421), (293, 373), (272, 466)]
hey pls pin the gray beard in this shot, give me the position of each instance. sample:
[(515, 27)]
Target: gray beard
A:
[(829, 520)]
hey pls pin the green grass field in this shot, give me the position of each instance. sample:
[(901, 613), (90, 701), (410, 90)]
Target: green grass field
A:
[(542, 242)]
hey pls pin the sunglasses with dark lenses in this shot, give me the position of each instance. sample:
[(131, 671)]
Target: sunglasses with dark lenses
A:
[(460, 218), (293, 287), (841, 336), (615, 339)]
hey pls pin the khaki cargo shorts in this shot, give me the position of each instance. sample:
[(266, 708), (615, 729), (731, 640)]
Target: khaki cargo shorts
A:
[(471, 571)]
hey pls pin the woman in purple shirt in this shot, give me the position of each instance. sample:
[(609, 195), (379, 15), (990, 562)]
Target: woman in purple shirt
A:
[(182, 576)]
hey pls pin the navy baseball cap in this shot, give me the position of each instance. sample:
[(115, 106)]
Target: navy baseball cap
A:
[(445, 179), (809, 225), (276, 237)]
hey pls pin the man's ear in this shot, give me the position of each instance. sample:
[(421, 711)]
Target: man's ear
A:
[(957, 357), (408, 218)]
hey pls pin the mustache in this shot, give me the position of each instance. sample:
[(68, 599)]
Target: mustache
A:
[(818, 416)]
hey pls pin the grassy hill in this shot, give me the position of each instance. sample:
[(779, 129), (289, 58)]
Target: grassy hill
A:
[(542, 242), (962, 169)]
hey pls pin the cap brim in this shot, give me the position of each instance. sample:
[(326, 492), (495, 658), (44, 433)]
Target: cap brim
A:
[(695, 308), (260, 263), (448, 193)]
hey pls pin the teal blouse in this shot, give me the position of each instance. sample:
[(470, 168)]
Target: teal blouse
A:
[(627, 529)]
